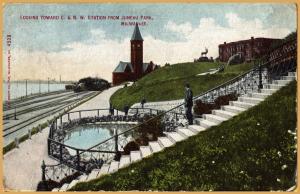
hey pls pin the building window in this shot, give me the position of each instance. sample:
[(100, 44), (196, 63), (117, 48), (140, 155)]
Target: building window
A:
[(138, 45), (133, 46)]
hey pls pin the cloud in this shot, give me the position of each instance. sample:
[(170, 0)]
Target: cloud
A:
[(99, 55)]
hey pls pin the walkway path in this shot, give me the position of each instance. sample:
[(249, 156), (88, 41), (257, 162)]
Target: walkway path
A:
[(22, 166)]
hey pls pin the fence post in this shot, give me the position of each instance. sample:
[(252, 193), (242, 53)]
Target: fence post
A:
[(43, 171), (69, 116), (60, 153), (98, 113), (78, 160), (61, 120), (48, 144), (117, 112), (116, 140), (260, 86), (79, 114)]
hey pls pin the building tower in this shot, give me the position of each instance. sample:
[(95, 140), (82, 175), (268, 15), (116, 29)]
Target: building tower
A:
[(136, 44)]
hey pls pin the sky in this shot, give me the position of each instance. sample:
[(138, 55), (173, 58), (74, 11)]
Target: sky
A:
[(175, 33)]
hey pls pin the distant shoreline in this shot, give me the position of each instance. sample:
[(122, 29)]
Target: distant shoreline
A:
[(41, 81)]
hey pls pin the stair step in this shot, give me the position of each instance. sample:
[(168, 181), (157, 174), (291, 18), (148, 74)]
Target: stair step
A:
[(250, 100), (291, 73), (103, 170), (124, 161), (145, 151), (82, 178), (175, 137), (114, 166), (164, 142), (73, 183), (268, 91), (223, 113), (282, 82), (205, 123), (197, 128), (155, 147), (259, 95), (273, 86), (93, 174), (244, 105), (214, 118), (64, 187), (135, 156), (186, 132), (233, 109), (288, 77)]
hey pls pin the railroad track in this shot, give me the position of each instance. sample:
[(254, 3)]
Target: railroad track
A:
[(31, 120), (38, 107), (21, 100), (28, 102)]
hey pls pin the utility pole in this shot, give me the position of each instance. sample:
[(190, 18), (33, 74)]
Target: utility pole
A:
[(48, 85), (26, 86), (39, 86)]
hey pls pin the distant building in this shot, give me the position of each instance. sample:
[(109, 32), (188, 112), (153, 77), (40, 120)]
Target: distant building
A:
[(247, 49), (131, 71)]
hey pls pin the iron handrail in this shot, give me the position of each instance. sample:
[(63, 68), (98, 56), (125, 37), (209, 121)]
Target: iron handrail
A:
[(194, 98)]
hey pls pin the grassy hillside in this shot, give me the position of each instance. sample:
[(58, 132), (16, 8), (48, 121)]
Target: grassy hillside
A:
[(167, 83), (252, 151)]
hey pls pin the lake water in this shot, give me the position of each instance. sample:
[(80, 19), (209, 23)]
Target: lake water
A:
[(87, 136), (18, 89)]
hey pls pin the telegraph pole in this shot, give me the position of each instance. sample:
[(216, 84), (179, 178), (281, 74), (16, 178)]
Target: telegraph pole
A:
[(39, 86), (26, 86), (48, 85)]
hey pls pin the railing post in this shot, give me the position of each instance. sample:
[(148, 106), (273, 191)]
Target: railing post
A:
[(116, 140), (150, 111), (43, 171), (117, 112), (78, 159), (68, 116), (260, 86), (55, 123), (98, 113), (60, 153), (48, 144), (79, 114), (61, 120)]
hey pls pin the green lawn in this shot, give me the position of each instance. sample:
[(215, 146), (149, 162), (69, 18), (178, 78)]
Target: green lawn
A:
[(252, 151), (167, 83)]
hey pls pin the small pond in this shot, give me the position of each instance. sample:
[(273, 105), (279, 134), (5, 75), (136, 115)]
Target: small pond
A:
[(86, 136)]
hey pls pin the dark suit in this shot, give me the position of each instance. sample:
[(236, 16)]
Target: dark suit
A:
[(188, 104)]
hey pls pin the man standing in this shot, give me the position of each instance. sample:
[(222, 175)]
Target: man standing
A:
[(188, 103)]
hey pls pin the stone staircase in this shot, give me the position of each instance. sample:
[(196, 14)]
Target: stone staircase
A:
[(200, 124)]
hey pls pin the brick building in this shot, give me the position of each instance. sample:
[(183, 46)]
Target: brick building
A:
[(247, 49), (136, 68)]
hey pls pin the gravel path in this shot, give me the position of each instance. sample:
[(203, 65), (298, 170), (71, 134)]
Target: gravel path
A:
[(22, 166)]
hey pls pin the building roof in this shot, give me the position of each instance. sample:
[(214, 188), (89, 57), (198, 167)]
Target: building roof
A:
[(136, 33), (145, 66), (245, 41), (122, 67)]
